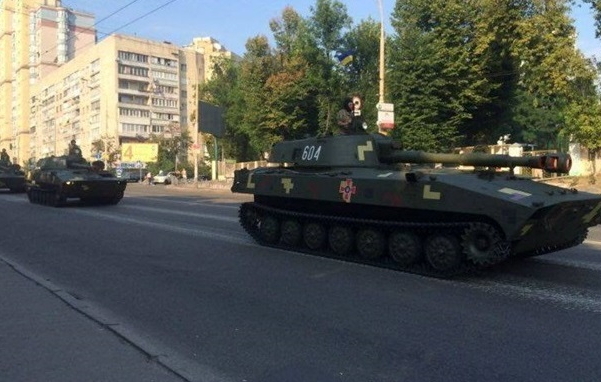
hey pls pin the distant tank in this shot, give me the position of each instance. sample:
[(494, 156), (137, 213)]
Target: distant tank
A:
[(12, 177), (363, 198), (57, 179)]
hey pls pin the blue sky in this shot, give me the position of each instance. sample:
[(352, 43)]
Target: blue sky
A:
[(232, 22)]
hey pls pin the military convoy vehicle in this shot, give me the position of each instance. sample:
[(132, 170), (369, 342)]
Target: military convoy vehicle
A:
[(57, 179), (363, 198), (12, 177)]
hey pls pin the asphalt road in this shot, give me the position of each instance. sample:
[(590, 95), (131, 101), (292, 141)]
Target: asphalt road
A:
[(175, 268)]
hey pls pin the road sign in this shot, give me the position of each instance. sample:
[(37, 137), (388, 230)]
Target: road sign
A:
[(385, 116)]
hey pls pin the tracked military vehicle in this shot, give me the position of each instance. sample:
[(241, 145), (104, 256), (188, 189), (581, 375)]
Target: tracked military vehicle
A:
[(362, 197), (12, 177), (55, 180)]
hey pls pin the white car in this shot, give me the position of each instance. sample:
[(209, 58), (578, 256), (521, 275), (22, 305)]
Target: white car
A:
[(162, 178)]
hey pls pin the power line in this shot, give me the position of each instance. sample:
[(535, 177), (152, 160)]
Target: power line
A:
[(115, 12), (92, 28), (144, 15), (131, 22)]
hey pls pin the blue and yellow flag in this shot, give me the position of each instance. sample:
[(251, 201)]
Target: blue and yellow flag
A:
[(345, 58)]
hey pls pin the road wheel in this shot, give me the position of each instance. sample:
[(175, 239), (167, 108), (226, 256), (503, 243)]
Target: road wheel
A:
[(340, 239), (270, 229), (314, 235), (292, 232), (371, 243), (443, 252), (405, 247)]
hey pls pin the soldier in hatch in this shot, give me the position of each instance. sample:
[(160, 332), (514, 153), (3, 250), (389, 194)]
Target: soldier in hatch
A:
[(74, 150), (4, 158)]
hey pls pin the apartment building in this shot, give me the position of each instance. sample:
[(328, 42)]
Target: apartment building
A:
[(212, 50), (36, 37), (122, 89)]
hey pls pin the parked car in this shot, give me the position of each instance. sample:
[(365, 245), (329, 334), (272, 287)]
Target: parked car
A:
[(165, 179)]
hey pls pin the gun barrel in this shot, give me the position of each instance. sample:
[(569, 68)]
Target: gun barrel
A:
[(556, 162)]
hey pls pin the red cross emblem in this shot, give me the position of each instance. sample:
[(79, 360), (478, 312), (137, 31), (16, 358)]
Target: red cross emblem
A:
[(347, 189)]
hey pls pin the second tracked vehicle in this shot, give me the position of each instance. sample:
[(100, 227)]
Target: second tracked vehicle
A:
[(57, 179), (12, 177), (363, 197)]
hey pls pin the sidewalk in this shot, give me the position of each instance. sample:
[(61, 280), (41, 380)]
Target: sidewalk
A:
[(43, 338)]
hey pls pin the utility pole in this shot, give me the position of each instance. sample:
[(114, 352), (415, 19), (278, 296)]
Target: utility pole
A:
[(382, 37), (385, 110)]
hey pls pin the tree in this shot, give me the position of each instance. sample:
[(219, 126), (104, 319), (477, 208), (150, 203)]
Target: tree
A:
[(108, 148), (437, 71), (549, 64), (170, 151), (362, 75), (328, 21)]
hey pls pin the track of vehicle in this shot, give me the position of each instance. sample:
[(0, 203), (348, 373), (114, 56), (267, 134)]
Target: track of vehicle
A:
[(53, 198), (417, 247)]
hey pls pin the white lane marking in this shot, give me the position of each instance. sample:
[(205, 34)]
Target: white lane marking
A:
[(230, 236), (181, 213), (569, 263), (220, 204), (567, 298), (149, 209)]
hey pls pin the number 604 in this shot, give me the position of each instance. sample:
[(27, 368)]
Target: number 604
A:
[(311, 152)]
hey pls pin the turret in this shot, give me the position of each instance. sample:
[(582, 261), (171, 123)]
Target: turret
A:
[(373, 150)]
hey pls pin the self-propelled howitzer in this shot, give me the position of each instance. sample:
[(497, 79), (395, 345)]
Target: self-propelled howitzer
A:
[(12, 177), (362, 197), (57, 179)]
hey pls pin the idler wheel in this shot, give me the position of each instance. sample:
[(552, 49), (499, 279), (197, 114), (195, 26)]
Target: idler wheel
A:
[(117, 198), (405, 247), (292, 232), (443, 252), (371, 243), (340, 239), (481, 244), (249, 218), (269, 229), (314, 235), (57, 199)]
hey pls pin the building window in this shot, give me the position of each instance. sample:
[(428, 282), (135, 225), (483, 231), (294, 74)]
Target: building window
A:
[(133, 70), (130, 56), (134, 128), (136, 100), (127, 112), (161, 102)]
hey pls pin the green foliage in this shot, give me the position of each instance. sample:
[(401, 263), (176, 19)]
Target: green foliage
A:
[(459, 72), (437, 75), (170, 149), (109, 150)]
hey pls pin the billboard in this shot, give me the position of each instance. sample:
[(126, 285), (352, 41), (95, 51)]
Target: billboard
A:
[(139, 152), (210, 119)]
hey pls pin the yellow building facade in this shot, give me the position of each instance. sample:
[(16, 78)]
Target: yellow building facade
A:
[(123, 89), (57, 83)]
